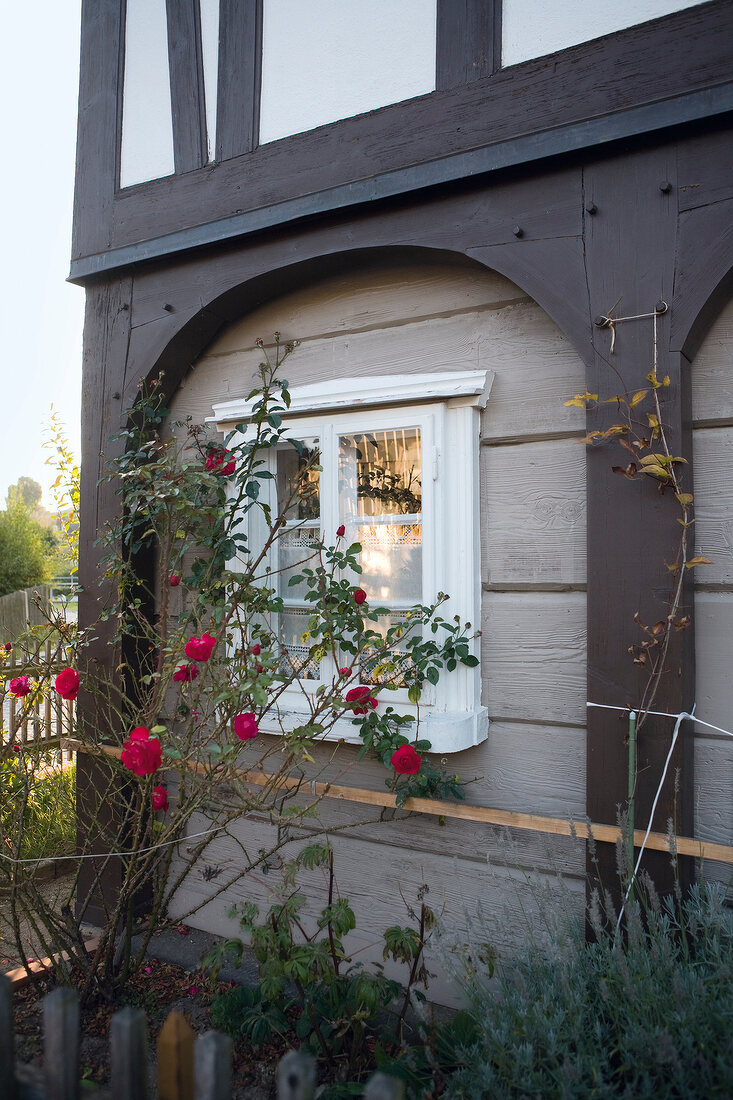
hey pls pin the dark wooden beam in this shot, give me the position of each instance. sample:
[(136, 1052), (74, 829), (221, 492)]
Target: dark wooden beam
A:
[(106, 341), (100, 99), (187, 85), (493, 158), (630, 246), (468, 41), (240, 64), (672, 70)]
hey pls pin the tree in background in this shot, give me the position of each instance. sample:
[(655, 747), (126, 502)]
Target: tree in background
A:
[(24, 559), (66, 494), (27, 491)]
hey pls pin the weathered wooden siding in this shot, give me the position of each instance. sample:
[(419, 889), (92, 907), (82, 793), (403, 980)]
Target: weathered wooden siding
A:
[(411, 318), (712, 406)]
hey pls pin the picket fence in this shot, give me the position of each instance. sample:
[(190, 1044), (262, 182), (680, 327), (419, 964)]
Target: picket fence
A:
[(188, 1068), (40, 720)]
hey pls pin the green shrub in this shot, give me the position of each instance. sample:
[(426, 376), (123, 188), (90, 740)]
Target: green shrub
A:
[(23, 549), (45, 798), (646, 1014)]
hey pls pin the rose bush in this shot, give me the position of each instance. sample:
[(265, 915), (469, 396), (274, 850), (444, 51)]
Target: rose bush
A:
[(193, 528)]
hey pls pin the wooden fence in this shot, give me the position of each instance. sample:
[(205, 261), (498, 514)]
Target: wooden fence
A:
[(42, 719), (19, 610), (188, 1068)]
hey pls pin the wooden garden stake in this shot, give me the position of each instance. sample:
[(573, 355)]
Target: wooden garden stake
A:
[(213, 1056), (381, 1086), (61, 1045), (175, 1059), (296, 1076), (7, 1051), (128, 1041)]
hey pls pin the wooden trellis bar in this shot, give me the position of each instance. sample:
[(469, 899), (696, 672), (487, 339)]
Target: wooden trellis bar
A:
[(557, 826)]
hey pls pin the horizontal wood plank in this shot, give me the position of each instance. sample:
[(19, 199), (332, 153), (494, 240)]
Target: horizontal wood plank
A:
[(712, 372), (536, 369), (714, 789), (374, 877), (713, 633), (713, 473), (533, 514), (376, 295), (534, 656)]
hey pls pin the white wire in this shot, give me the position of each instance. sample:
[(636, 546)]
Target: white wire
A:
[(665, 714), (106, 855)]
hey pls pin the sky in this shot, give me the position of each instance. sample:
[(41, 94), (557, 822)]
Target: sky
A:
[(41, 315)]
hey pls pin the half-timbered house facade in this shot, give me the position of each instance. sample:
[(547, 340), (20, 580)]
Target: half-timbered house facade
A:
[(442, 201)]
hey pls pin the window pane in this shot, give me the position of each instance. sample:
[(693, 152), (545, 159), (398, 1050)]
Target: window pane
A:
[(298, 483), (298, 499), (380, 499), (293, 624), (380, 671)]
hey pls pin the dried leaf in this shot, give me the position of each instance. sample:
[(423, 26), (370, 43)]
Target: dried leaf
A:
[(684, 498), (637, 398), (659, 627), (699, 560)]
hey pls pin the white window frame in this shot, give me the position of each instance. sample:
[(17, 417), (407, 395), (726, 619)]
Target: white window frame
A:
[(446, 407)]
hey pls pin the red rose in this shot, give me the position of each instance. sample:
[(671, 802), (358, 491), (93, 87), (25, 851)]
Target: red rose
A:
[(344, 671), (174, 581), (221, 461), (245, 726), (160, 799), (405, 760), (256, 649), (19, 687), (67, 683), (185, 673), (8, 646), (359, 595), (200, 649), (141, 753), (362, 696), (341, 531)]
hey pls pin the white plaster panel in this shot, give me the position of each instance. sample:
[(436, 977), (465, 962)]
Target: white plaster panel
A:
[(331, 59), (210, 54), (147, 122), (531, 28)]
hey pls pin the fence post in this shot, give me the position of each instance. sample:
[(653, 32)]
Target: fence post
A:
[(175, 1059), (7, 1050), (128, 1048), (381, 1086), (61, 1044), (213, 1058), (296, 1076)]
